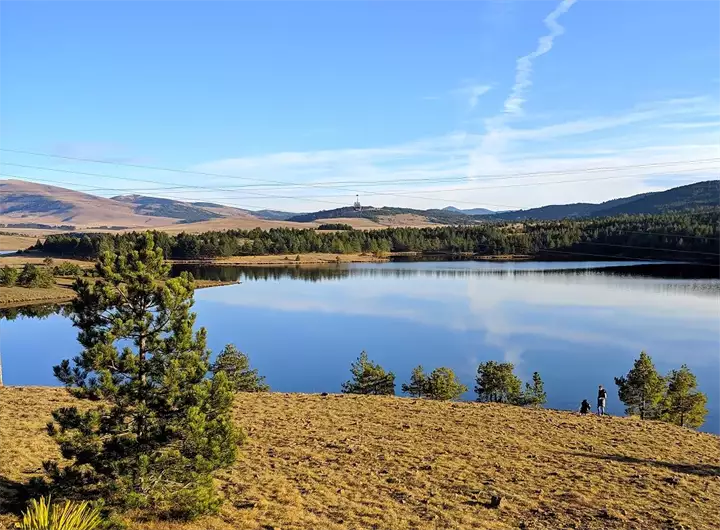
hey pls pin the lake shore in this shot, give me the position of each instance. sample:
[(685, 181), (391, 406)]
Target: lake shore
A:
[(61, 293), (344, 462), (285, 259)]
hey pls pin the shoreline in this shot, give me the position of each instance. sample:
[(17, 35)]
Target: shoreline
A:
[(62, 293)]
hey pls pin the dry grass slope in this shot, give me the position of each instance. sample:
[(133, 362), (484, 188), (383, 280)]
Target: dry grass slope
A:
[(354, 462)]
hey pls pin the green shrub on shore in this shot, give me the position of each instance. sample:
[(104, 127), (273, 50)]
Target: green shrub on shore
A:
[(236, 367), (369, 378), (441, 384)]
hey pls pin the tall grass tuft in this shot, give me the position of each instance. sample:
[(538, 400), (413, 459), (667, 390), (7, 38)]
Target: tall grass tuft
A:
[(43, 515)]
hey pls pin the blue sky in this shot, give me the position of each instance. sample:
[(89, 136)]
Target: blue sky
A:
[(376, 95)]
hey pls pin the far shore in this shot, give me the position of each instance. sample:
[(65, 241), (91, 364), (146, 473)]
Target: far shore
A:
[(62, 293)]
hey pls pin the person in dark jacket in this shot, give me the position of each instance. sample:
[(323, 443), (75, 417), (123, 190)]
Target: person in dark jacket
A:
[(585, 406), (602, 398)]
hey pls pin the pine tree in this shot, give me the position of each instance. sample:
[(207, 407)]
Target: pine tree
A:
[(496, 382), (369, 378), (418, 383), (641, 389), (683, 404), (160, 426), (534, 395), (440, 384), (236, 366)]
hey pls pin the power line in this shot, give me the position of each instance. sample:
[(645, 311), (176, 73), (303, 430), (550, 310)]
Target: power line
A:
[(324, 185), (319, 198)]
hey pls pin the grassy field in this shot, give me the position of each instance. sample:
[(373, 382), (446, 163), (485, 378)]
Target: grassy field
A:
[(353, 462)]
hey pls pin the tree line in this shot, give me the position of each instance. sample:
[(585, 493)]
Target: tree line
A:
[(645, 393), (674, 236)]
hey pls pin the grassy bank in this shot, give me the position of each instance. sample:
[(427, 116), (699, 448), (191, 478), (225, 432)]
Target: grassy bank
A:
[(60, 293), (285, 259), (352, 462)]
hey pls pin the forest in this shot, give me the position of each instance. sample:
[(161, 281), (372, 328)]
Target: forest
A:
[(692, 236)]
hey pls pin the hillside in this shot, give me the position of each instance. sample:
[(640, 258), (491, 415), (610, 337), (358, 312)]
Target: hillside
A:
[(353, 462), (27, 202), (386, 214), (469, 211), (698, 195)]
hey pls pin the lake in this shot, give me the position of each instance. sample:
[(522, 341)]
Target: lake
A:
[(579, 324)]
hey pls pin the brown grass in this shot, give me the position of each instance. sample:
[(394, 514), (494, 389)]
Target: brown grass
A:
[(60, 293), (354, 462), (16, 241)]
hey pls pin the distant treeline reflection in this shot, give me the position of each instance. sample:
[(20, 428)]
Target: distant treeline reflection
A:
[(336, 272)]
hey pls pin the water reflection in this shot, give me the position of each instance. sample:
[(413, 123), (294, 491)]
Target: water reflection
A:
[(578, 324)]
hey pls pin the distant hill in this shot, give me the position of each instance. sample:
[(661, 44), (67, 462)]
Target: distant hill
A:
[(157, 207), (28, 202), (385, 213), (274, 215), (469, 211), (692, 196)]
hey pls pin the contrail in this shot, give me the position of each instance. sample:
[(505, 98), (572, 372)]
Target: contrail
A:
[(514, 102)]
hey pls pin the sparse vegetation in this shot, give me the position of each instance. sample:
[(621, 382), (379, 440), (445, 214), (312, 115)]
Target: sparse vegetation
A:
[(369, 378)]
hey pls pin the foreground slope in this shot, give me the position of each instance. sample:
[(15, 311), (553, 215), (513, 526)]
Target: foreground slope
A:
[(355, 462)]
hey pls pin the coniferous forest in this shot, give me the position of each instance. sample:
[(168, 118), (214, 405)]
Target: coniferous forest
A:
[(684, 236)]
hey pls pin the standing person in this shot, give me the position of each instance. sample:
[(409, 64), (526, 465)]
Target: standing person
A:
[(602, 398)]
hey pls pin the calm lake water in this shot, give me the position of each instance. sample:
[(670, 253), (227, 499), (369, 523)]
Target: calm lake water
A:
[(578, 324)]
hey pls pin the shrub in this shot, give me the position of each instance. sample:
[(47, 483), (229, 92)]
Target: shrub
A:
[(441, 384), (34, 276), (9, 276), (48, 262), (43, 515), (369, 378), (67, 269), (236, 366)]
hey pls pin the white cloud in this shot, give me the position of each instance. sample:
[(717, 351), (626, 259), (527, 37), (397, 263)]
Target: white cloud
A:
[(514, 103), (472, 93)]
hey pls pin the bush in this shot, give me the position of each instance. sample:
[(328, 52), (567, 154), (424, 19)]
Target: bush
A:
[(236, 366), (34, 276), (369, 378), (67, 269), (42, 515), (9, 276), (441, 384)]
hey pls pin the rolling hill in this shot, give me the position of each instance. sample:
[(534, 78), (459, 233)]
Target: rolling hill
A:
[(698, 195), (31, 205)]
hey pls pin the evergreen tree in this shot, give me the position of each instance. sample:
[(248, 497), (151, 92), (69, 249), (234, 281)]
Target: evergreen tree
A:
[(369, 378), (160, 426), (441, 384), (683, 404), (534, 394), (641, 389), (236, 366), (496, 382), (418, 383)]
